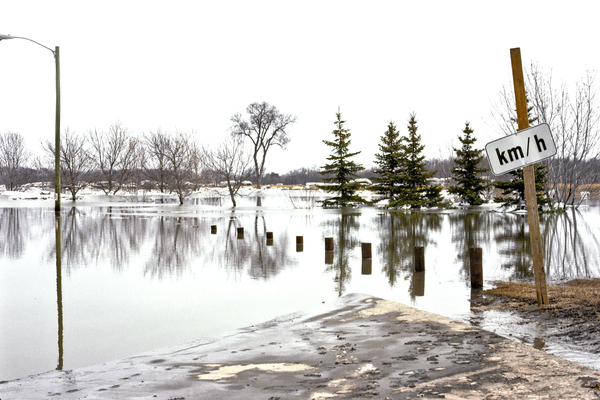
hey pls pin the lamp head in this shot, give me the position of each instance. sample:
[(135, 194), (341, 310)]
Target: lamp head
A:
[(5, 36)]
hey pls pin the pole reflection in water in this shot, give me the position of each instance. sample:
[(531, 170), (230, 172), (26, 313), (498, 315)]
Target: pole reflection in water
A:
[(367, 266), (417, 287), (57, 227), (329, 257)]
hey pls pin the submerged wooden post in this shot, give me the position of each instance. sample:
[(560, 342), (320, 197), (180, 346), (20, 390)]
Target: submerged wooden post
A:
[(367, 266), (213, 229), (418, 283), (328, 244), (535, 236), (366, 250), (475, 260), (240, 233), (419, 258)]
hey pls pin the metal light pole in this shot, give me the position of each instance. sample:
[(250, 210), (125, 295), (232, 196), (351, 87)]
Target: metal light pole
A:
[(56, 53)]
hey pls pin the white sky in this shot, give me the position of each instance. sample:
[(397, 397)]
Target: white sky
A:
[(190, 65)]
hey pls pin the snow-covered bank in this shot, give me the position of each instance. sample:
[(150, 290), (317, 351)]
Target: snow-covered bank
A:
[(280, 197)]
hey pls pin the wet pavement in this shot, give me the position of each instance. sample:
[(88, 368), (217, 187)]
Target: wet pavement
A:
[(357, 347)]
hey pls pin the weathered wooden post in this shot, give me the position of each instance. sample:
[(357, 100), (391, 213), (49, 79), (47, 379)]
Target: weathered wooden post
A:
[(535, 236), (213, 229), (240, 233), (475, 260), (366, 250), (328, 244), (419, 258), (269, 235)]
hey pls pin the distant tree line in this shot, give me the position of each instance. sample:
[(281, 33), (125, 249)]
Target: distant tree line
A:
[(115, 160)]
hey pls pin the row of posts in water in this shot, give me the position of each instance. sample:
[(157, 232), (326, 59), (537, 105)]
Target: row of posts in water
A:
[(475, 255)]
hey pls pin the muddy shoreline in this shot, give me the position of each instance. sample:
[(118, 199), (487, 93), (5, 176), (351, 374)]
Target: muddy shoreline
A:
[(356, 347), (572, 319)]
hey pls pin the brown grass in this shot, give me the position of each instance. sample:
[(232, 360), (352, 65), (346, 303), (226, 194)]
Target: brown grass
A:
[(579, 298)]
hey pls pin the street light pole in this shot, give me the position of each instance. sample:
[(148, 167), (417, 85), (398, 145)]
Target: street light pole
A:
[(56, 54), (57, 135)]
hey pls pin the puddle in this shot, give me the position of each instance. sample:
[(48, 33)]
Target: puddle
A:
[(534, 334)]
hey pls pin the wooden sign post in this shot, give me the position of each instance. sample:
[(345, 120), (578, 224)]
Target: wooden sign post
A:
[(529, 180)]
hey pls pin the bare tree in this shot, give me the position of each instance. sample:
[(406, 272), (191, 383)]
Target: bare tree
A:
[(181, 154), (44, 167), (266, 127), (131, 163), (229, 162), (574, 119), (576, 130), (75, 161), (442, 162), (115, 157), (13, 160), (155, 159)]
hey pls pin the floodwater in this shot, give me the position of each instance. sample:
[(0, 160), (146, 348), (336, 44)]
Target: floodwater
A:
[(132, 278)]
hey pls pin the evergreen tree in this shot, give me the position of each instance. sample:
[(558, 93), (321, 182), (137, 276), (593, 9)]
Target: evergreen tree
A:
[(515, 188), (467, 172), (415, 191), (388, 160), (341, 170)]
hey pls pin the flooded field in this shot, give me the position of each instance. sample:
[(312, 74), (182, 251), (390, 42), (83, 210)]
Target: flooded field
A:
[(108, 281)]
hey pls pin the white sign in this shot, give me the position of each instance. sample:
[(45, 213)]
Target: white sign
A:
[(523, 148)]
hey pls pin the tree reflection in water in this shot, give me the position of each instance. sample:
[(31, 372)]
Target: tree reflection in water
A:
[(511, 233), (344, 230), (471, 229), (18, 231), (572, 245), (118, 236), (177, 241), (399, 234), (249, 255)]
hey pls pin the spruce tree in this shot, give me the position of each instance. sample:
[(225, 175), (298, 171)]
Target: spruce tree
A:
[(467, 172), (341, 170), (515, 188), (415, 190), (388, 160)]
